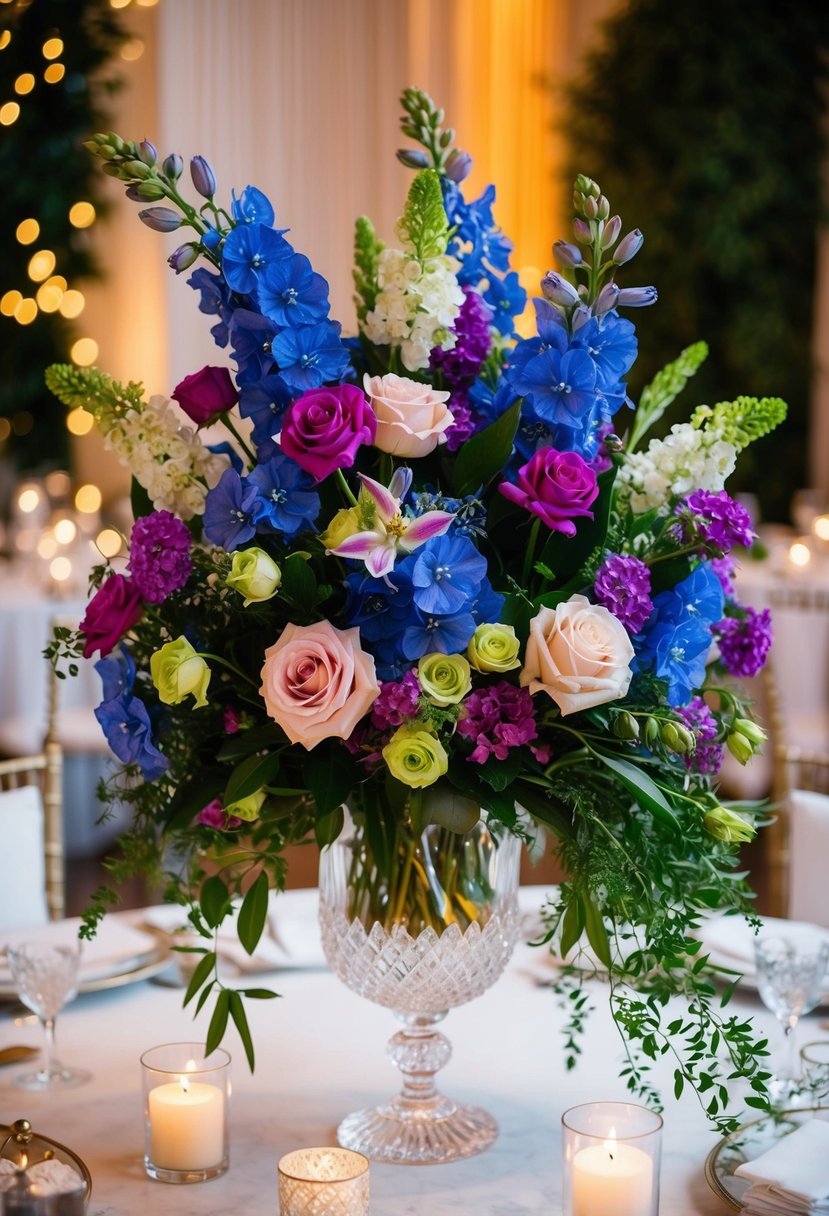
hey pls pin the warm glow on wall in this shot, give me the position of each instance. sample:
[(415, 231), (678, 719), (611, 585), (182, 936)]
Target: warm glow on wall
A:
[(27, 231), (79, 421), (9, 302), (88, 499), (9, 113), (84, 352), (81, 215), (26, 311), (52, 47), (72, 304), (41, 265), (54, 73)]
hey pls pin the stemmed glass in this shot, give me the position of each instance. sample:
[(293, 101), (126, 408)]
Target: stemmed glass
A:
[(791, 978), (46, 978)]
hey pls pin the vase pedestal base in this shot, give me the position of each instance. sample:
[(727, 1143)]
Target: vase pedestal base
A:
[(403, 1136)]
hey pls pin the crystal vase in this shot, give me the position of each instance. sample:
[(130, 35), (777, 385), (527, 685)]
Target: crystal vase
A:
[(418, 922)]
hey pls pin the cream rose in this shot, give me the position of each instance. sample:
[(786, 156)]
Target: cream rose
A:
[(579, 654), (411, 417), (317, 681)]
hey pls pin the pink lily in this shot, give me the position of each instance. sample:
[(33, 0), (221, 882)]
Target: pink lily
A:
[(392, 531)]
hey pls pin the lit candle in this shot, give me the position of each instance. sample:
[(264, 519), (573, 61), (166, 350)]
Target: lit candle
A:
[(187, 1120), (612, 1177)]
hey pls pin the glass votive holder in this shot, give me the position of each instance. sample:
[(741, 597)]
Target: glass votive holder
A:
[(814, 1069), (611, 1160), (330, 1180), (186, 1099)]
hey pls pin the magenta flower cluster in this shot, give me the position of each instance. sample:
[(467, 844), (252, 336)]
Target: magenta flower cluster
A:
[(324, 428), (497, 719), (396, 702), (160, 561), (214, 815), (623, 586), (707, 758), (718, 520), (725, 569), (745, 641)]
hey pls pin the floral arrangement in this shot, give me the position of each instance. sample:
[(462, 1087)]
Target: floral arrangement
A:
[(431, 569)]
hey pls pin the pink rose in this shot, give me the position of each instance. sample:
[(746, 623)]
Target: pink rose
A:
[(114, 608), (206, 394), (558, 487), (323, 429), (411, 417), (579, 654), (317, 681)]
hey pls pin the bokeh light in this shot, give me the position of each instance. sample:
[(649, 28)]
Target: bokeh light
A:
[(24, 84), (60, 569), (72, 304), (9, 113), (41, 265), (79, 421), (54, 73), (109, 542), (84, 352), (88, 499), (52, 47), (65, 531), (26, 311), (9, 302), (81, 215)]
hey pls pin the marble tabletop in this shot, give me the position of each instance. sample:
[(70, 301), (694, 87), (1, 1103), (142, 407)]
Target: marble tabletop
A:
[(320, 1054)]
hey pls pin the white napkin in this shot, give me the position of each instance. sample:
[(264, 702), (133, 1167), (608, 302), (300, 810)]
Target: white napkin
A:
[(808, 850), (791, 1176), (291, 938), (733, 939), (115, 947)]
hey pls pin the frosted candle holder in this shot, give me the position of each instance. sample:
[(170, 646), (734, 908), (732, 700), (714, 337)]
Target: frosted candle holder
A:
[(186, 1097), (330, 1180), (611, 1160)]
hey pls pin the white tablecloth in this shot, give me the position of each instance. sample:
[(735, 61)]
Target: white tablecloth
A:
[(321, 1054)]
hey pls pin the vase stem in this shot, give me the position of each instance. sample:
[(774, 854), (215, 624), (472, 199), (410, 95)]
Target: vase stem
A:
[(419, 1051)]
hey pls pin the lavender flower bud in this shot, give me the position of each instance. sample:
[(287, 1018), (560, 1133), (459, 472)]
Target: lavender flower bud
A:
[(581, 316), (558, 291), (603, 207), (132, 192), (607, 298), (183, 257), (412, 158), (629, 246), (637, 297), (458, 165), (585, 185), (611, 231), (172, 167), (582, 233), (160, 219), (591, 208), (147, 152), (204, 179), (567, 254)]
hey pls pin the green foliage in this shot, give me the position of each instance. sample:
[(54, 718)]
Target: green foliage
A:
[(423, 223), (665, 387), (744, 420), (723, 176), (93, 390), (367, 249)]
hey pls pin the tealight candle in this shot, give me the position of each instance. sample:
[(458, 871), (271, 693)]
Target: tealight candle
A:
[(611, 1160), (186, 1097), (330, 1180)]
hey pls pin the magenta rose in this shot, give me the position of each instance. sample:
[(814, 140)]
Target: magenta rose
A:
[(558, 487), (114, 608), (206, 394), (323, 429)]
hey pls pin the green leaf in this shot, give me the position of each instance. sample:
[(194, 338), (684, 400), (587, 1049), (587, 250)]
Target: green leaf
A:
[(484, 455), (218, 1022), (500, 773), (646, 792), (140, 501), (595, 929), (237, 1012), (259, 994), (328, 827), (214, 900), (567, 554), (202, 970), (250, 775), (572, 925), (299, 583), (246, 742), (330, 775), (253, 914)]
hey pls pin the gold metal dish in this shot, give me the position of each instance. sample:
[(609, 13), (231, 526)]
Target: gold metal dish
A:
[(747, 1142), (19, 1138)]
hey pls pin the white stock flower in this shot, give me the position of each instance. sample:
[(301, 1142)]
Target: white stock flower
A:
[(689, 458), (415, 307)]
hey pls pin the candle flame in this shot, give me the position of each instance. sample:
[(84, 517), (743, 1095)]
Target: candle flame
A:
[(22, 1161), (610, 1143), (185, 1085)]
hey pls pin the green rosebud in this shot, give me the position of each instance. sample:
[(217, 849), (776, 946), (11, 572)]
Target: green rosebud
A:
[(178, 671), (726, 825), (625, 726), (415, 756), (255, 575), (494, 648), (247, 808), (651, 731), (444, 678), (740, 747)]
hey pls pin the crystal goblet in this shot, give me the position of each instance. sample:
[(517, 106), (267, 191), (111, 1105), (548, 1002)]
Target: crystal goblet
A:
[(791, 977), (46, 979)]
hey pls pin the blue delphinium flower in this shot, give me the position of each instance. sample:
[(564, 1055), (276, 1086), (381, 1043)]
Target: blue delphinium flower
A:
[(248, 249), (251, 336), (285, 501), (117, 672), (381, 608), (229, 519), (126, 725), (507, 298), (252, 207), (292, 293), (447, 574), (310, 355), (264, 402), (431, 632), (559, 387), (676, 639), (214, 302)]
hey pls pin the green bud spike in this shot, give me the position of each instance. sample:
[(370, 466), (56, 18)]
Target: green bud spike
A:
[(739, 747), (754, 733), (625, 726), (651, 731), (726, 825)]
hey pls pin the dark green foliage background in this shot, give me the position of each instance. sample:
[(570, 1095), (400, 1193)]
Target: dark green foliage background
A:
[(705, 125), (44, 170)]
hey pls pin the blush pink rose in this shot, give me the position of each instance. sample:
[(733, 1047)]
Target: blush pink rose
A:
[(411, 417), (317, 682), (579, 654)]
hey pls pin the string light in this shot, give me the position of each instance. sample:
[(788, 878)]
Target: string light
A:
[(118, 3), (41, 265), (26, 311), (146, 3), (60, 569), (9, 113), (24, 84), (28, 500), (9, 302), (58, 483), (88, 499), (52, 47), (47, 547), (79, 421), (132, 50), (57, 280), (108, 542), (84, 352), (5, 39), (72, 304), (27, 231), (65, 531), (81, 215), (54, 73), (49, 297)]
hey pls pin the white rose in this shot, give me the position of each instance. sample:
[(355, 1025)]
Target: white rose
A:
[(579, 654), (411, 417)]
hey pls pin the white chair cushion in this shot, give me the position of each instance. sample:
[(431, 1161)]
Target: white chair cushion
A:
[(809, 856), (22, 864), (78, 734)]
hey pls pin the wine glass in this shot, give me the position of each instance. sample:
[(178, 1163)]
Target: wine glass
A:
[(791, 978), (814, 1063), (46, 978)]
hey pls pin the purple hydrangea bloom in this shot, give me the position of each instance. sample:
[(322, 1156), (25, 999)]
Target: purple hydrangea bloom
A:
[(707, 758), (745, 641), (725, 568), (396, 702), (623, 586), (497, 719), (463, 421), (461, 365), (160, 561), (718, 519)]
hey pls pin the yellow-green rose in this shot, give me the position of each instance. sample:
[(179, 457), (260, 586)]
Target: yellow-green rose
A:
[(415, 756), (494, 648), (444, 678), (727, 825), (344, 524), (247, 808), (177, 671), (255, 575)]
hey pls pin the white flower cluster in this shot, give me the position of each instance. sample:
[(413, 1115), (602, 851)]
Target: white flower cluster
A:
[(166, 458), (415, 307), (687, 459)]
